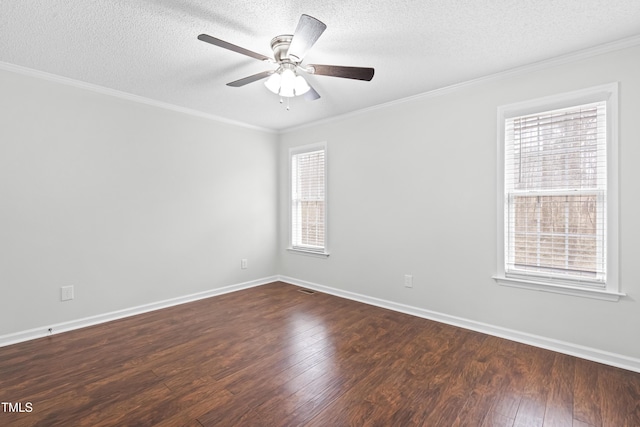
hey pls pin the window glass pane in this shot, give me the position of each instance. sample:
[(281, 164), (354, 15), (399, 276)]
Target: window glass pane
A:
[(556, 234), (557, 150), (312, 223), (555, 184)]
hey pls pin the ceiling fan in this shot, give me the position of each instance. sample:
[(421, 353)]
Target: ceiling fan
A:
[(288, 53)]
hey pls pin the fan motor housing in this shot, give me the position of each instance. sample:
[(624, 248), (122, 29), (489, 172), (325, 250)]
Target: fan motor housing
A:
[(280, 46)]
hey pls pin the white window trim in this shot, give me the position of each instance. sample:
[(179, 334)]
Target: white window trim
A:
[(608, 93), (298, 150), (299, 251)]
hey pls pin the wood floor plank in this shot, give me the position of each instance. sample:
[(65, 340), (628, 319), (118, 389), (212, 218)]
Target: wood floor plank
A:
[(508, 398), (386, 394), (465, 371), (586, 397), (311, 397), (274, 356), (619, 397), (578, 423), (559, 408), (489, 390), (189, 404), (495, 419), (533, 404)]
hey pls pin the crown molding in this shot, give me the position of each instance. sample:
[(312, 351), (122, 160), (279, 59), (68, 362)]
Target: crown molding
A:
[(18, 69), (540, 65), (524, 69)]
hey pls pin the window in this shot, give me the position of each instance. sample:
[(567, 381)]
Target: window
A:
[(308, 199), (558, 201)]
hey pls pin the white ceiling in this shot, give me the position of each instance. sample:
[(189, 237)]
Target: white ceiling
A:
[(149, 47)]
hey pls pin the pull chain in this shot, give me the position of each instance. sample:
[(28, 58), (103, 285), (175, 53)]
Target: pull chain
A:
[(287, 107)]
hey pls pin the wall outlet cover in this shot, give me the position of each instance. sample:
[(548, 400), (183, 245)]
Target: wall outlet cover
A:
[(66, 293)]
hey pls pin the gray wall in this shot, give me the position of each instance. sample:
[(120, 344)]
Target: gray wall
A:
[(134, 204), (412, 190), (130, 203)]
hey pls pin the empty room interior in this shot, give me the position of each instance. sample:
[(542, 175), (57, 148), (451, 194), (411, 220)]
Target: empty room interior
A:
[(320, 213)]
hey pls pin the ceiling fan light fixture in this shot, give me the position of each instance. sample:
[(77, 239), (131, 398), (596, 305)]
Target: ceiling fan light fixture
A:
[(301, 86), (287, 83), (273, 83), (288, 53)]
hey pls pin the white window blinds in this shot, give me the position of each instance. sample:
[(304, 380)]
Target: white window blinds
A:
[(555, 194), (308, 200)]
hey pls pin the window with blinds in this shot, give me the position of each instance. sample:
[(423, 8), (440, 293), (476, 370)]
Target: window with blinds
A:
[(308, 199), (555, 182)]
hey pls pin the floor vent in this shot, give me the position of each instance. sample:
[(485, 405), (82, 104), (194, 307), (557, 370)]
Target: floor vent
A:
[(306, 291)]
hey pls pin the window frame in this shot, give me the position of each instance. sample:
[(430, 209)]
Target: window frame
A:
[(611, 289), (324, 252)]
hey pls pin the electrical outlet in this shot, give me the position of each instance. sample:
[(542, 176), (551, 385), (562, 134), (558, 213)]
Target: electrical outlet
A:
[(243, 263), (408, 281), (66, 293)]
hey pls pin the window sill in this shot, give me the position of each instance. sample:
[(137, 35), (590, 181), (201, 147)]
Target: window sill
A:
[(309, 253), (601, 294)]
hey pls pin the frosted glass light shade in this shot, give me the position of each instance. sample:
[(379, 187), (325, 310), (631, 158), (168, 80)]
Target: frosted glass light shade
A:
[(301, 86), (285, 82), (273, 83)]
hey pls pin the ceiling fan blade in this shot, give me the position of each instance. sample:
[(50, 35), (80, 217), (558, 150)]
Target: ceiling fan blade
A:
[(311, 95), (307, 32), (356, 73), (232, 47), (251, 79)]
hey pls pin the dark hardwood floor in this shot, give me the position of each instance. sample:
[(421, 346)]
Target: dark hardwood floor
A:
[(274, 356)]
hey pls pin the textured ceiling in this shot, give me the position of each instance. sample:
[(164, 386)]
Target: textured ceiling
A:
[(149, 47)]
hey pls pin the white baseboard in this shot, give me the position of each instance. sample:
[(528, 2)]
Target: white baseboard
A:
[(57, 328), (593, 354), (596, 355)]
